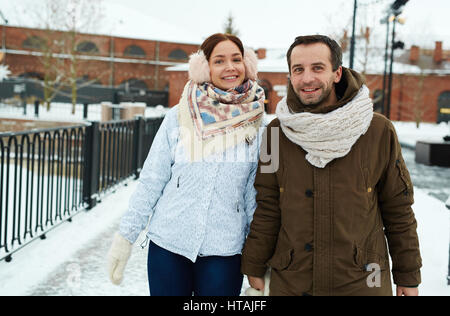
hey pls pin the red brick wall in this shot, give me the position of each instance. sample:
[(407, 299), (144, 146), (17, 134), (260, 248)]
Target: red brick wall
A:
[(177, 81), (146, 71), (412, 94), (275, 79)]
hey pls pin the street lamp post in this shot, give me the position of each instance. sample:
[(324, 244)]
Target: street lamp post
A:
[(352, 42), (394, 46), (383, 101), (395, 9), (388, 107)]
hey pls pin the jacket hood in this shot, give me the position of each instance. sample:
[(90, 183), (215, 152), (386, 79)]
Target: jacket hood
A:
[(346, 89)]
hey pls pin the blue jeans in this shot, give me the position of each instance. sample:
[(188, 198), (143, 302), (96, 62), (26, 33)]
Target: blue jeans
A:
[(170, 274)]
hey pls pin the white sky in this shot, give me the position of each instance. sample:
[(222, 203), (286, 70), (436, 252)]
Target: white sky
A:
[(261, 23)]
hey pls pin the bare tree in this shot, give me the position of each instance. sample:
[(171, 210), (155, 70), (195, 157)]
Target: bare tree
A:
[(63, 21), (79, 16), (418, 106)]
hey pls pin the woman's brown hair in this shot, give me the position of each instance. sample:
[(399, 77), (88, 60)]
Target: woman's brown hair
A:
[(208, 45)]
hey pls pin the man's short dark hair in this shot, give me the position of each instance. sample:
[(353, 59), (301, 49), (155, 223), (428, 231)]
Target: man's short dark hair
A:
[(335, 49)]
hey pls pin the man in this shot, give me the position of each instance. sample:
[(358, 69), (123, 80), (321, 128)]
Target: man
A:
[(339, 190)]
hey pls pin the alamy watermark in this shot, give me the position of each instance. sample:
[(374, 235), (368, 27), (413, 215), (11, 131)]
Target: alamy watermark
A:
[(374, 279)]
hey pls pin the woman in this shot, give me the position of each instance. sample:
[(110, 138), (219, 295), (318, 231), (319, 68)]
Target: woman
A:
[(197, 181)]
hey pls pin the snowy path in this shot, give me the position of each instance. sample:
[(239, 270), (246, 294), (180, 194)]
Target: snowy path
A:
[(72, 261)]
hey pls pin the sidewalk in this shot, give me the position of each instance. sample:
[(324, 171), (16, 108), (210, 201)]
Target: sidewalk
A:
[(72, 260)]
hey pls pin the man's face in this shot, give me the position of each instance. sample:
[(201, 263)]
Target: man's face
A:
[(312, 74)]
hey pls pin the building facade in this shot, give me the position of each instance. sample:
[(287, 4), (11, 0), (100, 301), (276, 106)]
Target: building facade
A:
[(107, 60), (420, 83)]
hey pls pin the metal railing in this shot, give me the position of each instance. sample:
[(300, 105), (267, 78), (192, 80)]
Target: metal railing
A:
[(48, 176)]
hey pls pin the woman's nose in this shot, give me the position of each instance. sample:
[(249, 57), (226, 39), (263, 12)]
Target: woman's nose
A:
[(229, 65)]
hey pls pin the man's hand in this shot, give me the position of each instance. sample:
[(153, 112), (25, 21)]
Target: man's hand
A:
[(256, 283), (407, 291)]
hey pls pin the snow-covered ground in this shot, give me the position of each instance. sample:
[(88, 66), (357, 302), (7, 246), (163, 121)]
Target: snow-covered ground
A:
[(72, 260), (62, 112), (409, 134)]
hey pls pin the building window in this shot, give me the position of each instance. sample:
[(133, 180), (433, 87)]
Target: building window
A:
[(134, 51), (34, 42), (378, 101), (444, 107), (133, 84), (87, 47), (32, 75), (178, 54)]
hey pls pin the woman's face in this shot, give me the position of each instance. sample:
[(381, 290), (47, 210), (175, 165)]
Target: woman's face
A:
[(226, 66)]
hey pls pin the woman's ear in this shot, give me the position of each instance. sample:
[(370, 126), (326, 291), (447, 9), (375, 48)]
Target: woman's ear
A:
[(251, 64), (199, 68)]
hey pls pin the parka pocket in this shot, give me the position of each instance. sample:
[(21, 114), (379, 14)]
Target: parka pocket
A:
[(366, 258), (401, 166), (281, 259)]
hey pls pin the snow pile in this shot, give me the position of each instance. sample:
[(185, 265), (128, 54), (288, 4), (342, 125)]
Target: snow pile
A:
[(62, 112), (409, 134)]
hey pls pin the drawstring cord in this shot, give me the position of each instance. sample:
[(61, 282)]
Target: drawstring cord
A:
[(145, 242)]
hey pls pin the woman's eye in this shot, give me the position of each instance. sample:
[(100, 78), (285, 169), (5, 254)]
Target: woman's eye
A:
[(218, 61), (237, 60)]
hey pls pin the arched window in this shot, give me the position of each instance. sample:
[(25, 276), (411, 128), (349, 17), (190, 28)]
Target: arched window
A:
[(34, 42), (444, 107), (134, 51), (32, 75), (87, 47), (178, 54), (134, 84), (378, 101), (267, 86)]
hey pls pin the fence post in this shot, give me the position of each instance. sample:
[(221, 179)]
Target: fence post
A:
[(139, 133), (36, 108), (85, 111), (91, 165)]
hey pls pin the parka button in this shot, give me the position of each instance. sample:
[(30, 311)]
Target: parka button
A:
[(309, 193)]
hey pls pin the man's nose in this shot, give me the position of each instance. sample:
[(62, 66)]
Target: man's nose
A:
[(308, 76)]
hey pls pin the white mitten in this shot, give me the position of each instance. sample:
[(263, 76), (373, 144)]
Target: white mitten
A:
[(118, 256), (254, 292)]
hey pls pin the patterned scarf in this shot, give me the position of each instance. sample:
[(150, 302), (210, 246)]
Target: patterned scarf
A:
[(212, 120)]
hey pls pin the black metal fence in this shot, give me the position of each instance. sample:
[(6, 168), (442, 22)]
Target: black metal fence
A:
[(48, 176)]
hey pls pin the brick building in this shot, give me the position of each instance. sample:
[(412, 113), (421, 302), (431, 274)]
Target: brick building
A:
[(108, 60), (421, 80)]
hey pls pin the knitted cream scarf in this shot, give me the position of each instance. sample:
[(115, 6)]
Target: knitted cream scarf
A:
[(331, 135), (212, 120)]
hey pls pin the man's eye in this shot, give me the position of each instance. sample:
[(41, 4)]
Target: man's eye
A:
[(298, 69), (318, 68)]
